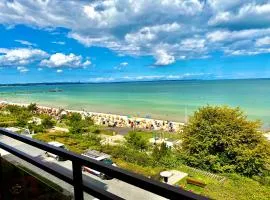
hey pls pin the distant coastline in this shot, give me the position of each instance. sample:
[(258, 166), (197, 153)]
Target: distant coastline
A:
[(108, 82)]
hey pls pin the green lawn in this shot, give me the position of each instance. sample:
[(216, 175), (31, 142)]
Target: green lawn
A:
[(150, 134), (234, 187)]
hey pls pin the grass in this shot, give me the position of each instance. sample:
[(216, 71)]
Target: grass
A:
[(234, 187), (101, 130), (145, 171), (237, 187), (150, 134), (7, 120), (73, 142)]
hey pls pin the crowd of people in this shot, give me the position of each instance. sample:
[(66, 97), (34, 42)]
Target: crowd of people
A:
[(112, 120)]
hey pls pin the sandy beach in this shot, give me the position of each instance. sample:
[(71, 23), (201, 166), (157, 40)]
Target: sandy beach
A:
[(110, 120)]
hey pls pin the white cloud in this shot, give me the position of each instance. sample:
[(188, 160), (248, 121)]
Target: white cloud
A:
[(217, 36), (223, 35), (59, 42), (192, 44), (263, 41), (40, 69), (182, 29), (250, 13), (62, 60), (121, 66), (22, 69), (124, 64), (101, 79), (219, 5), (59, 71), (163, 58), (20, 56), (150, 33), (24, 42), (150, 77)]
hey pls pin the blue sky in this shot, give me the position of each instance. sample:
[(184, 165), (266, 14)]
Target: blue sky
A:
[(119, 40)]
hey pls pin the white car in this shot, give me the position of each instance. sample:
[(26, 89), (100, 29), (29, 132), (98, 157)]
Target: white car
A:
[(56, 144), (99, 156)]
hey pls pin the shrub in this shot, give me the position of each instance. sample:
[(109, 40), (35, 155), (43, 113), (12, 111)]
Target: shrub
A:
[(128, 154), (136, 141), (32, 107), (160, 151), (36, 128), (22, 119), (48, 122)]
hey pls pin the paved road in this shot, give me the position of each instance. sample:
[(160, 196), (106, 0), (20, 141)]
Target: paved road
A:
[(115, 186)]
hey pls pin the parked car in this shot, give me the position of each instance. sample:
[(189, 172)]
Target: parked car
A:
[(56, 144), (99, 156)]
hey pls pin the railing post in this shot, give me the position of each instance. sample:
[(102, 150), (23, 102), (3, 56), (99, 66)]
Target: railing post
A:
[(77, 181), (1, 178)]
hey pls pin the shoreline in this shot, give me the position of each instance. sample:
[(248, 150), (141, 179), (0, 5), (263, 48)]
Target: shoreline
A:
[(109, 119)]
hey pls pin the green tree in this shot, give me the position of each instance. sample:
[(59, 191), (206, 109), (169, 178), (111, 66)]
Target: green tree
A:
[(22, 118), (222, 139), (76, 128), (160, 151), (47, 122), (32, 107), (36, 128), (76, 124), (89, 121), (74, 118), (136, 141), (14, 109)]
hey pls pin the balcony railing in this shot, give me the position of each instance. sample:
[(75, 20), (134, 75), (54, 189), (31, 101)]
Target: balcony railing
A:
[(159, 188)]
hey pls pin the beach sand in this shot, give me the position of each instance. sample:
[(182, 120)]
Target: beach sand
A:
[(112, 120)]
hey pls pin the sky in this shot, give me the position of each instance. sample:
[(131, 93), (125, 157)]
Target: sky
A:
[(133, 40)]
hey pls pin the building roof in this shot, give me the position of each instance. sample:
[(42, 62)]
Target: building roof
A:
[(96, 155), (56, 144)]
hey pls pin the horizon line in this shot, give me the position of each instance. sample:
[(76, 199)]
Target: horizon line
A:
[(131, 81)]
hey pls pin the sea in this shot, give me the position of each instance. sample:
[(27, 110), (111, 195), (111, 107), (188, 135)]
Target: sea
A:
[(168, 100)]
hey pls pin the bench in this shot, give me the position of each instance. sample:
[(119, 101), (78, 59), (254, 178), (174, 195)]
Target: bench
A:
[(193, 181)]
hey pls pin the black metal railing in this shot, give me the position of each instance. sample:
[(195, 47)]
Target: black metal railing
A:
[(159, 188)]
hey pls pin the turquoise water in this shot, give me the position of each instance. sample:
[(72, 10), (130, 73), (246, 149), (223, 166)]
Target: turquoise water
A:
[(162, 100)]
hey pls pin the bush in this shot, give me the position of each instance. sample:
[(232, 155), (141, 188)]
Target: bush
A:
[(264, 180), (32, 107), (22, 119), (136, 141), (77, 125), (48, 122), (152, 172), (128, 154), (74, 118), (36, 128), (14, 109), (160, 151), (89, 121)]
